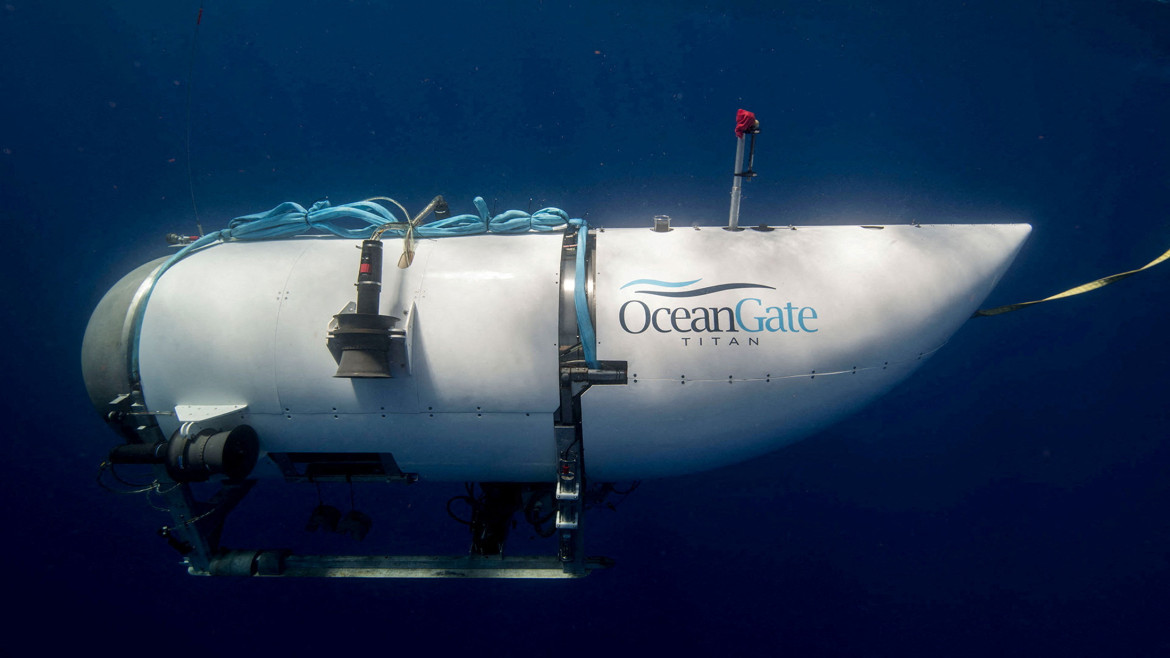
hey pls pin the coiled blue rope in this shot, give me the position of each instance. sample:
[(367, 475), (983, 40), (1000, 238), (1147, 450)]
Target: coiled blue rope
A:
[(289, 219)]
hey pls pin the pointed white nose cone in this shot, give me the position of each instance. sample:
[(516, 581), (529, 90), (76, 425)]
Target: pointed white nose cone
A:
[(739, 343)]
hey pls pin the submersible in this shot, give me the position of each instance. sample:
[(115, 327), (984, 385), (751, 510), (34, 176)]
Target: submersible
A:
[(530, 353)]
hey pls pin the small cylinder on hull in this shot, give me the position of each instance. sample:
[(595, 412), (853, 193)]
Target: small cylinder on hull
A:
[(363, 337), (196, 458)]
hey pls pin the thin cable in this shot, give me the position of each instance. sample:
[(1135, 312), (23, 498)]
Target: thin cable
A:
[(400, 206), (569, 448), (134, 485), (190, 80), (627, 492), (146, 488), (471, 501)]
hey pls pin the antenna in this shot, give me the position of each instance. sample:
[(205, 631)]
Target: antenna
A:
[(745, 124), (190, 81)]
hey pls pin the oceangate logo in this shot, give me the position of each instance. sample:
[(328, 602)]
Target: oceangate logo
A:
[(751, 315)]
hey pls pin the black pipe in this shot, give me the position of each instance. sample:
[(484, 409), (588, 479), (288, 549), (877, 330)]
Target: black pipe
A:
[(361, 341), (196, 458), (369, 281), (139, 453)]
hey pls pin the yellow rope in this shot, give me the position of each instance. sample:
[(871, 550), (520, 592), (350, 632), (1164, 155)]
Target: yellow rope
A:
[(1092, 285)]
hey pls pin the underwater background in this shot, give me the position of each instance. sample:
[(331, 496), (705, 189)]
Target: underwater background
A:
[(1010, 497)]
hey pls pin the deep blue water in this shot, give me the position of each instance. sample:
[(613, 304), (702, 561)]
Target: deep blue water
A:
[(1010, 497)]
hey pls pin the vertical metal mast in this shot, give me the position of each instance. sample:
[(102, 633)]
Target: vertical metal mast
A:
[(745, 123)]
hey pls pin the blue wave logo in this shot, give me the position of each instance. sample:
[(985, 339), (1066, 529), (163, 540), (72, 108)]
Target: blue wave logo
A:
[(698, 292), (656, 282), (751, 315)]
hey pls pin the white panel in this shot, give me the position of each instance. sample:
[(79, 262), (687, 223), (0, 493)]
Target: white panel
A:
[(874, 300), (196, 413), (482, 448), (207, 335), (889, 294), (659, 427), (247, 323), (484, 337), (319, 285)]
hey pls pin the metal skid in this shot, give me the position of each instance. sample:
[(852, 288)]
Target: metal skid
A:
[(196, 527)]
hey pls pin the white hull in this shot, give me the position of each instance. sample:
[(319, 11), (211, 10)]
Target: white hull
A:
[(824, 319)]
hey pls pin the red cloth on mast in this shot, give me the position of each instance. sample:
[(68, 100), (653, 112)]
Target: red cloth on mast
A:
[(745, 122)]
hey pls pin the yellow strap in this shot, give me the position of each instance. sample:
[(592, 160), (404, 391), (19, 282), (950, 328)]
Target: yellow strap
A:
[(1093, 285)]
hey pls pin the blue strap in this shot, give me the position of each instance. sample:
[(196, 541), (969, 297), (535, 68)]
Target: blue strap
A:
[(584, 322)]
